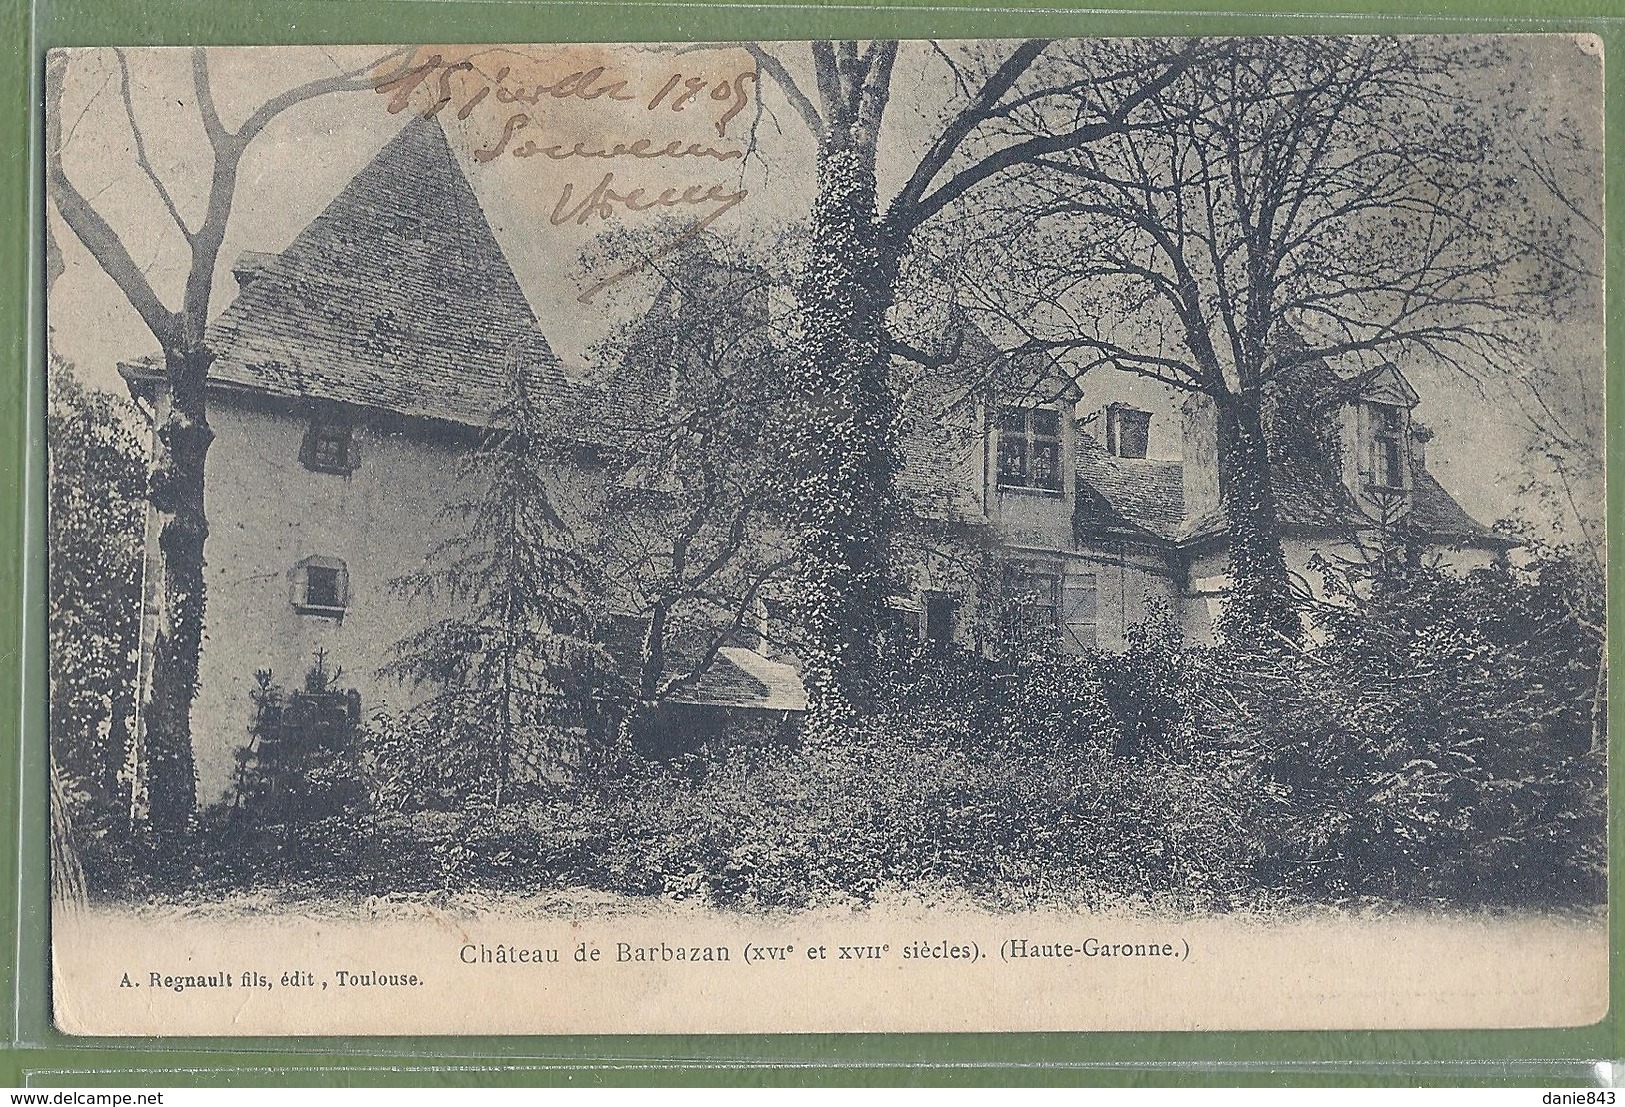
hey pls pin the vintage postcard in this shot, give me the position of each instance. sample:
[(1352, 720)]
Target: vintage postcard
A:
[(833, 536)]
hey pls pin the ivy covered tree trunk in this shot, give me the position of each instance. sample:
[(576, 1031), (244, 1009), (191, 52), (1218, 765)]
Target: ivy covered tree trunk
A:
[(845, 413), (846, 456), (1260, 606), (164, 765), (177, 493)]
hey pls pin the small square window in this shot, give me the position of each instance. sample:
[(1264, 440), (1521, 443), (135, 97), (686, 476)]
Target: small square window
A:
[(328, 447), (321, 586), (1128, 431)]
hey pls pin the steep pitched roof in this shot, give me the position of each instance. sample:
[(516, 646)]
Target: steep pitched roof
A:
[(1436, 513), (1127, 494), (397, 296), (1303, 503)]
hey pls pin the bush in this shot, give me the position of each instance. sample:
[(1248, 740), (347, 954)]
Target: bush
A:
[(787, 828), (1437, 743)]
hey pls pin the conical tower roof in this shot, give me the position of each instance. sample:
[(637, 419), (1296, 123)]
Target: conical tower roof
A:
[(397, 297)]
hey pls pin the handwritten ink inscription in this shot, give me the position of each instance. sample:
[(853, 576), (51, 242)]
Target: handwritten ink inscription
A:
[(514, 112)]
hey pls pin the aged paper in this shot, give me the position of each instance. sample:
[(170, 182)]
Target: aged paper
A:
[(685, 971), (972, 536)]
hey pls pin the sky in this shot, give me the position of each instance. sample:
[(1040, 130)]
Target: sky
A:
[(702, 99)]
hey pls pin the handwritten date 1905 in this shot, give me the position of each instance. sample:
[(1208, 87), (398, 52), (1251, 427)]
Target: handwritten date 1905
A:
[(468, 86)]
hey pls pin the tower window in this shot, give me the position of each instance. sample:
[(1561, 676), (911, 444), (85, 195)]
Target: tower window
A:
[(328, 446), (321, 586)]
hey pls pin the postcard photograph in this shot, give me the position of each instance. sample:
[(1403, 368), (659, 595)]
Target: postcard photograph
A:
[(1093, 534)]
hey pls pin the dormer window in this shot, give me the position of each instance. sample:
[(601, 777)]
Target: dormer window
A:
[(1030, 448), (1128, 431), (1379, 449), (1389, 436), (329, 445)]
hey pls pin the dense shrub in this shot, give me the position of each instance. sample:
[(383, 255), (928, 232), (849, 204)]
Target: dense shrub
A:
[(788, 828), (1444, 741), (1437, 742), (95, 509)]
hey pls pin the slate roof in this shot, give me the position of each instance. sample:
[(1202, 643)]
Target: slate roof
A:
[(1436, 512), (743, 678), (1301, 500), (1130, 495), (1138, 498), (1118, 495), (397, 296)]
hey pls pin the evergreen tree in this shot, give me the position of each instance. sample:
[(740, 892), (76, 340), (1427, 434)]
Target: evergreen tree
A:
[(518, 688)]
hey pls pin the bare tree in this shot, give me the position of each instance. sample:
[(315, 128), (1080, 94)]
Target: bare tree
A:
[(844, 404), (1558, 394), (1286, 202), (176, 484), (693, 529)]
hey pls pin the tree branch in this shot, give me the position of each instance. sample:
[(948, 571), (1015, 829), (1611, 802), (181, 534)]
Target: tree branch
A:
[(972, 116), (355, 80), (94, 231), (901, 220), (141, 147), (775, 69)]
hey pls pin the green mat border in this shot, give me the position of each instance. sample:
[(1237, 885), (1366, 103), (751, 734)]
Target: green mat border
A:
[(37, 1055)]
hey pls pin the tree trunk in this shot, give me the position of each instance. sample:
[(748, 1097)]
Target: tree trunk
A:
[(177, 492), (651, 669), (1260, 605), (114, 791), (846, 456)]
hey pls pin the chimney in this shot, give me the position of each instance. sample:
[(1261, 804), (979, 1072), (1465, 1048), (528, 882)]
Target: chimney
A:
[(1128, 430), (1421, 435)]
